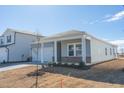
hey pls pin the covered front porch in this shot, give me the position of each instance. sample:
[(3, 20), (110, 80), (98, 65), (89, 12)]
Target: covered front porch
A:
[(68, 51)]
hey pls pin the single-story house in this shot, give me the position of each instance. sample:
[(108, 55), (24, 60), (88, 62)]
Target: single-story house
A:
[(73, 47), (15, 45)]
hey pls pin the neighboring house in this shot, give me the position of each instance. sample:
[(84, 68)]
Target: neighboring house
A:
[(73, 47), (15, 45)]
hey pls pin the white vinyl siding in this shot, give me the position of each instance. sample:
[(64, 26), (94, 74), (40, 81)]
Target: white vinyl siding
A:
[(100, 51), (21, 50)]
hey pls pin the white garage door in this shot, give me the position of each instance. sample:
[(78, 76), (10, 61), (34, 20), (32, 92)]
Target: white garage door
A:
[(3, 54), (34, 54), (48, 52)]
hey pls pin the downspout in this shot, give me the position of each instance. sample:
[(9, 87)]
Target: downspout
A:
[(7, 54)]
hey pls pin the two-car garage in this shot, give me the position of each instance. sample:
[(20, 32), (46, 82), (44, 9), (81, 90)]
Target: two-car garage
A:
[(47, 49)]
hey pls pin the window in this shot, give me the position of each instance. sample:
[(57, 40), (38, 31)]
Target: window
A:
[(8, 39), (110, 51), (78, 49), (1, 41), (71, 50), (105, 51), (74, 49), (113, 51)]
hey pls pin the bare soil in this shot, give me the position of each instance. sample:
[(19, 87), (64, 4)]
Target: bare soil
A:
[(104, 75)]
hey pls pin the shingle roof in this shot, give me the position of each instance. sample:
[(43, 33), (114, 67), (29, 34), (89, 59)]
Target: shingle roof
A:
[(65, 34), (72, 33)]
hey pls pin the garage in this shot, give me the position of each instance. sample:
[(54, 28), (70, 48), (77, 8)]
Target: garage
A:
[(36, 54), (3, 55), (48, 52)]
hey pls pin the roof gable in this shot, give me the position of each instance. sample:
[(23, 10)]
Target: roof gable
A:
[(65, 34), (21, 31)]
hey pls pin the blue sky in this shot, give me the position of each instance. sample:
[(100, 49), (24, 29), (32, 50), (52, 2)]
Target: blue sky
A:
[(105, 22)]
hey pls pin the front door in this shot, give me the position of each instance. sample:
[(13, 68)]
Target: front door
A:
[(88, 51)]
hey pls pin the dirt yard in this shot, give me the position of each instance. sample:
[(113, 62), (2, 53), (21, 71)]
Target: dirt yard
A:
[(108, 74)]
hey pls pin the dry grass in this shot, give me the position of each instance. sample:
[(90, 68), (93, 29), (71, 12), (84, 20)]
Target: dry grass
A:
[(107, 74)]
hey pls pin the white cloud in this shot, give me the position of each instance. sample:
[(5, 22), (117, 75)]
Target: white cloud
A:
[(108, 18), (118, 42), (115, 17), (93, 22)]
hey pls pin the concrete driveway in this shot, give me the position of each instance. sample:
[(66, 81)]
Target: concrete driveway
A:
[(10, 66)]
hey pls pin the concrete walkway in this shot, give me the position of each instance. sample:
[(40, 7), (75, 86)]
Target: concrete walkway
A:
[(10, 66)]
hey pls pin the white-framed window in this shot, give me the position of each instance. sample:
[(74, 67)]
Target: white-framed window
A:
[(70, 50), (1, 41), (110, 51), (74, 49), (106, 51), (9, 39), (78, 49), (114, 51)]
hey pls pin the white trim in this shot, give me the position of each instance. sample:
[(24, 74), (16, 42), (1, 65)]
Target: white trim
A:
[(87, 37), (84, 49), (61, 39), (74, 44)]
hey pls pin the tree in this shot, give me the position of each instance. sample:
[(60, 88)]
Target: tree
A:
[(38, 45)]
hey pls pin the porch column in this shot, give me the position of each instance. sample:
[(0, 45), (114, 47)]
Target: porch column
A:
[(55, 51), (83, 48), (42, 45)]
